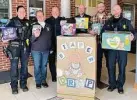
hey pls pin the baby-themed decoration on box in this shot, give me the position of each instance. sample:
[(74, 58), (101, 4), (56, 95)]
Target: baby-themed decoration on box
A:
[(76, 67)]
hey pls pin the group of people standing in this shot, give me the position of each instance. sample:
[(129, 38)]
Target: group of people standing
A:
[(37, 38), (42, 45)]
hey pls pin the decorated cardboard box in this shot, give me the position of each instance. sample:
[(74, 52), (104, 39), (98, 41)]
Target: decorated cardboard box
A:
[(116, 40), (82, 23), (76, 67)]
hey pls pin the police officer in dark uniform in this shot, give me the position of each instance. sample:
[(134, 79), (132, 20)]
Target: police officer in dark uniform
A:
[(117, 23), (54, 22), (19, 49)]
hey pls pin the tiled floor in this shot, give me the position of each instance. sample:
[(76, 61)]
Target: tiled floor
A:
[(46, 93)]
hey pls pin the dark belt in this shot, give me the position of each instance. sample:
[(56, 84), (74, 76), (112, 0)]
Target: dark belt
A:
[(16, 43)]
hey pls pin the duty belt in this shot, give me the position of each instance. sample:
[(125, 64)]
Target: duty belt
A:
[(16, 43)]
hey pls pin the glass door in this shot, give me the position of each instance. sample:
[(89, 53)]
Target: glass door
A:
[(129, 12)]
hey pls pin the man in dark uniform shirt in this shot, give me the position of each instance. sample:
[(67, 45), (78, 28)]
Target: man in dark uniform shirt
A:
[(118, 23), (19, 49), (54, 21)]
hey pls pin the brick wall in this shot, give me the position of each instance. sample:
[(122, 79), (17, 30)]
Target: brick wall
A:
[(50, 4), (108, 5), (4, 62), (120, 2), (72, 8), (16, 3)]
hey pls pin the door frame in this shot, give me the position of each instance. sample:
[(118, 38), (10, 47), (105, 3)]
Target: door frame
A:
[(44, 8), (134, 12)]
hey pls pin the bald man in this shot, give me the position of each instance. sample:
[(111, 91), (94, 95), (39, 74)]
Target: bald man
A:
[(118, 23), (54, 21), (82, 10)]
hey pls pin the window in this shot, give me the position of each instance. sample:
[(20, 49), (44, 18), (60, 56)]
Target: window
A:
[(90, 3), (93, 3), (4, 12), (35, 5), (4, 8), (129, 12)]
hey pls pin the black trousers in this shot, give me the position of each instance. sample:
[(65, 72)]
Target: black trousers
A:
[(23, 55), (120, 57), (100, 52), (52, 65)]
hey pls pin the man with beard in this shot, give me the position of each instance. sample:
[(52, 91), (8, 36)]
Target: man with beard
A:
[(100, 17)]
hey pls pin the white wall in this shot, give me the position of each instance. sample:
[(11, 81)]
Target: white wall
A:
[(65, 8)]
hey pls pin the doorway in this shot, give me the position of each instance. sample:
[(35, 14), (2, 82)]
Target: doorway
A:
[(33, 6), (129, 12)]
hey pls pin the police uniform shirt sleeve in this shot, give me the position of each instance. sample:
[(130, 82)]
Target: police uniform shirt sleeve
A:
[(51, 31), (10, 23), (132, 30)]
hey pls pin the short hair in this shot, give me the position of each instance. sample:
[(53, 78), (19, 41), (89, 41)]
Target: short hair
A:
[(101, 3), (20, 7), (39, 11)]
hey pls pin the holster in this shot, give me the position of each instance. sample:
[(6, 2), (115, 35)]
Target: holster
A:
[(7, 52), (12, 50)]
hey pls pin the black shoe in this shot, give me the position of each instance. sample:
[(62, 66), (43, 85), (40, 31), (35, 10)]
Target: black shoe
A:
[(120, 91), (45, 85), (24, 89), (54, 80), (110, 89), (101, 85), (14, 91), (38, 86)]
